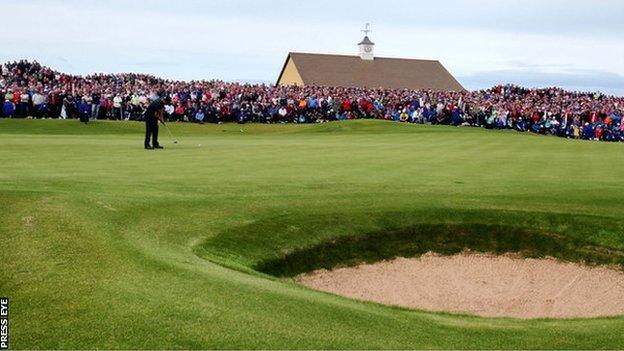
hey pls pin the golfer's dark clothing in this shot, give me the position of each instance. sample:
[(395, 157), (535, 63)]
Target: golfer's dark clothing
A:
[(151, 124)]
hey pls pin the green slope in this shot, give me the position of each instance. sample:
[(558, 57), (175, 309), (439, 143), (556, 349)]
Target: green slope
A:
[(107, 245)]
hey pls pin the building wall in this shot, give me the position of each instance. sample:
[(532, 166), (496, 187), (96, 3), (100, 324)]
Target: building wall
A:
[(291, 75)]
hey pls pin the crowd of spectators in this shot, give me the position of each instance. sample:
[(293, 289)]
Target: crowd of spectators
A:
[(31, 90)]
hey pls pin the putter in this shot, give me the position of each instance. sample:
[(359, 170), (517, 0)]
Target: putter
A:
[(175, 141)]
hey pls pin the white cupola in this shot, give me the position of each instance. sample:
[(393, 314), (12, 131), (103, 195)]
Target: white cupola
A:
[(366, 46)]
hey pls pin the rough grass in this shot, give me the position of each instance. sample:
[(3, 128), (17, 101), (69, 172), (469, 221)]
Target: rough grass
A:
[(106, 245), (446, 239)]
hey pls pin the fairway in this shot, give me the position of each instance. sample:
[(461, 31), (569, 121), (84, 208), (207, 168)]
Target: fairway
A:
[(107, 245)]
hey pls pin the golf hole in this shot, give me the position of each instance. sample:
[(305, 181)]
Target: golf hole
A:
[(480, 284)]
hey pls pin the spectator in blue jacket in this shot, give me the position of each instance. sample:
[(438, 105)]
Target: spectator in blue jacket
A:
[(456, 118), (84, 110), (199, 116), (588, 131), (8, 109)]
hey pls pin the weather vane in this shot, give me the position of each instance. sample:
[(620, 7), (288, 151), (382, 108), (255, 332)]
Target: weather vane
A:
[(366, 29)]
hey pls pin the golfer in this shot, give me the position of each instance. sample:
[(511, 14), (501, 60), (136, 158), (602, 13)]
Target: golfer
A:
[(153, 114)]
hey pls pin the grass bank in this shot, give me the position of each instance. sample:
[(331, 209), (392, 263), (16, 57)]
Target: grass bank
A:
[(107, 245)]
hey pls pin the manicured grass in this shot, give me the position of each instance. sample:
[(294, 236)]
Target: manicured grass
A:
[(107, 245)]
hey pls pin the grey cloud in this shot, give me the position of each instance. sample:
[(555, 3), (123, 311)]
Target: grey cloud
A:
[(573, 79)]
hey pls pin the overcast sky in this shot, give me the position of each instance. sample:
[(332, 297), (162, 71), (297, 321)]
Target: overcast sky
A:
[(569, 43)]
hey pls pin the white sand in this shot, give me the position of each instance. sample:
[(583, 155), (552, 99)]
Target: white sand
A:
[(480, 284)]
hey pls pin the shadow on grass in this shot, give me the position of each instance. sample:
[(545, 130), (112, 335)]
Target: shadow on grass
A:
[(446, 239)]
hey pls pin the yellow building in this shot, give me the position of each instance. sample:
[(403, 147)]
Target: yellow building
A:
[(365, 70)]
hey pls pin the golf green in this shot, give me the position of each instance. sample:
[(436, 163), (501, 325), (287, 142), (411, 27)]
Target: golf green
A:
[(107, 245)]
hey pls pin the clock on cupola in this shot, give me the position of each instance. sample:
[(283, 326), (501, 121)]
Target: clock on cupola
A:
[(366, 45)]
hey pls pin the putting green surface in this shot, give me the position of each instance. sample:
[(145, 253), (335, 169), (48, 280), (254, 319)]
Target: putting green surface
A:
[(107, 245)]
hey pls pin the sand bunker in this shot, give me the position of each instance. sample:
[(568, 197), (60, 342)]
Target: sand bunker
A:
[(485, 285)]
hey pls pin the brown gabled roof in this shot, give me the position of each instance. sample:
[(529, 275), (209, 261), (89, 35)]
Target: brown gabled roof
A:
[(382, 72)]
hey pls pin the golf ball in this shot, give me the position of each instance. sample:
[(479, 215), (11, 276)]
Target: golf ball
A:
[(198, 145)]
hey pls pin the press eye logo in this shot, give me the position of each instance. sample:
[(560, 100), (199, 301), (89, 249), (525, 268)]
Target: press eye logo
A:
[(4, 323)]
